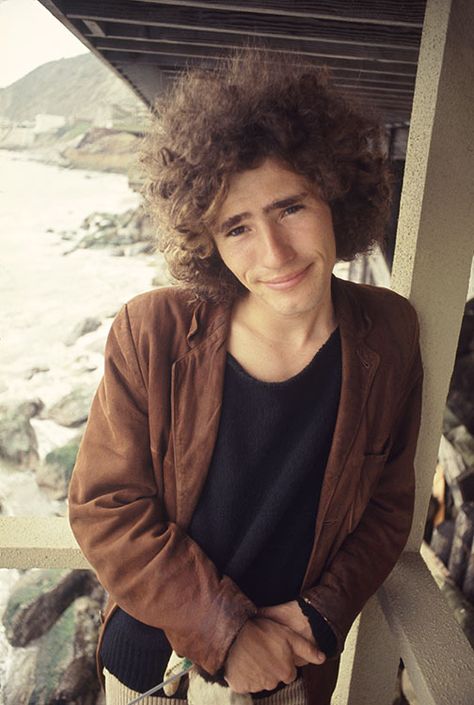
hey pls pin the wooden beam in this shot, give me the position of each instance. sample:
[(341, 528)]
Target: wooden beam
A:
[(94, 28), (210, 61), (401, 14), (193, 48), (312, 45), (163, 49), (248, 23)]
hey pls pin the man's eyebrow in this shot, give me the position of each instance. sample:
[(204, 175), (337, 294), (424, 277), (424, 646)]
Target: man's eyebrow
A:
[(233, 221), (274, 205), (285, 202)]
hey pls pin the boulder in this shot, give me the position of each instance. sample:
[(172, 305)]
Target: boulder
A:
[(73, 409), (88, 325), (39, 598), (18, 442), (54, 474), (59, 611)]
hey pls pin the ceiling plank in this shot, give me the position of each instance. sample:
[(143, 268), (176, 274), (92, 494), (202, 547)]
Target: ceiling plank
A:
[(95, 28), (210, 62), (199, 37), (315, 48), (402, 14), (139, 12)]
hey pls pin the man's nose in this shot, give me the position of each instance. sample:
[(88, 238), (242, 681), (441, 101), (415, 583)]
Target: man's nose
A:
[(276, 250)]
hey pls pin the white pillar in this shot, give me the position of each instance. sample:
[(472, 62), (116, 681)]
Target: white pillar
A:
[(435, 238), (433, 256)]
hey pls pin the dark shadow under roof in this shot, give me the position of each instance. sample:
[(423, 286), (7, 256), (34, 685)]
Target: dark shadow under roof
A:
[(371, 46)]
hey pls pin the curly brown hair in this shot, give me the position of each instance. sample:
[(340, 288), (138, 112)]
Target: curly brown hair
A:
[(257, 104)]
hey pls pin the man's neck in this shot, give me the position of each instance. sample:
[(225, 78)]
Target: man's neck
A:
[(297, 331), (274, 347)]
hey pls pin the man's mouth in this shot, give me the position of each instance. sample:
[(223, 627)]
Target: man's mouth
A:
[(288, 280)]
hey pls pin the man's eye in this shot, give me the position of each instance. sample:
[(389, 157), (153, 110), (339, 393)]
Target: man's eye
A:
[(289, 210), (236, 231)]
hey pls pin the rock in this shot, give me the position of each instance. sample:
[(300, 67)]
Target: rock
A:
[(117, 231), (73, 409), (54, 474), (39, 598), (18, 442), (139, 248), (88, 325), (31, 407), (61, 668), (463, 441), (29, 374)]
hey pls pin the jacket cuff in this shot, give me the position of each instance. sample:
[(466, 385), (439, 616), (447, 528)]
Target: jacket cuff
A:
[(322, 632)]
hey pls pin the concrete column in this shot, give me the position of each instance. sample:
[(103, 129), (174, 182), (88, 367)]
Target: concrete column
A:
[(433, 256), (435, 239)]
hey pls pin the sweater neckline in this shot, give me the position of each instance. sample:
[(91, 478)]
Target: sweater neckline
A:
[(235, 365)]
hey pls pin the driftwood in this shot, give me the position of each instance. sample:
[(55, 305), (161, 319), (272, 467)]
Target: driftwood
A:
[(462, 543)]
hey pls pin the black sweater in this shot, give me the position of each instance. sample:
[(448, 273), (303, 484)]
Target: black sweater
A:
[(256, 515)]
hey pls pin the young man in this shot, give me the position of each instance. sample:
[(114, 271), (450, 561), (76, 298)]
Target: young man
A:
[(245, 482)]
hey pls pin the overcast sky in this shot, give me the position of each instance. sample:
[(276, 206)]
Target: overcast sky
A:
[(31, 36)]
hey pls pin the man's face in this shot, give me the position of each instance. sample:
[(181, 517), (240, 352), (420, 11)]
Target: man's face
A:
[(276, 236)]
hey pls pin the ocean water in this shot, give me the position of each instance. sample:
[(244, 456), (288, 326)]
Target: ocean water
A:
[(45, 293)]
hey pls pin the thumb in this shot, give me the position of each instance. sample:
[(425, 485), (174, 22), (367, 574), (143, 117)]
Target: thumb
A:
[(304, 650)]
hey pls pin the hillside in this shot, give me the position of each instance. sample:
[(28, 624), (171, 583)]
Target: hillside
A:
[(80, 88)]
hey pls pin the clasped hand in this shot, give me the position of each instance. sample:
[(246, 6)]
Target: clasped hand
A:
[(269, 648)]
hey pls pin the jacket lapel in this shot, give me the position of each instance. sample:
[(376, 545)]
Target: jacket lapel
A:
[(359, 364), (197, 384)]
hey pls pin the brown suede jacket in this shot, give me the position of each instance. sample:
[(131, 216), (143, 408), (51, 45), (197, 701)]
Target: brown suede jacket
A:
[(148, 445)]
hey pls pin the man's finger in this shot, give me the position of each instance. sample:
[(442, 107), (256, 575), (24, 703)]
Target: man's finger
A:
[(305, 650)]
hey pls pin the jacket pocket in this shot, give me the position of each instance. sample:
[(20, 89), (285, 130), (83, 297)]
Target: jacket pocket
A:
[(371, 469)]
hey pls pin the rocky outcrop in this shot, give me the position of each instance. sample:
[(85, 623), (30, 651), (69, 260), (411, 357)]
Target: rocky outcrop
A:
[(87, 325), (53, 617), (54, 474), (38, 600), (73, 409), (18, 442), (129, 233)]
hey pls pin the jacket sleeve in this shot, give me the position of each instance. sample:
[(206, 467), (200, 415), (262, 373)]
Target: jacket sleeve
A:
[(149, 565), (368, 554)]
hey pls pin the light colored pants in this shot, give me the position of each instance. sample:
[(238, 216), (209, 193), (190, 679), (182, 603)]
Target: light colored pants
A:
[(118, 694)]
